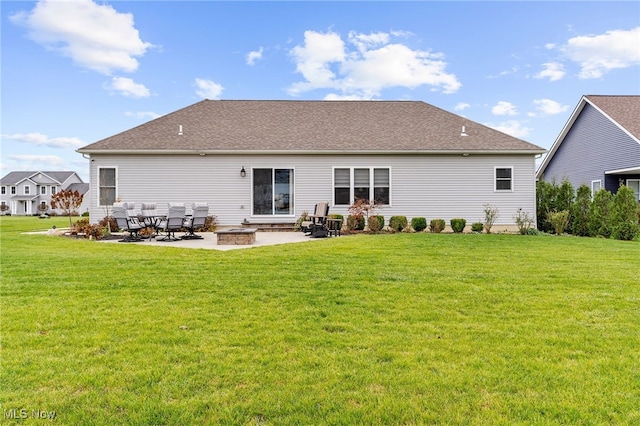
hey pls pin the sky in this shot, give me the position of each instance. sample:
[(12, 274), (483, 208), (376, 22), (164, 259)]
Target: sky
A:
[(76, 71)]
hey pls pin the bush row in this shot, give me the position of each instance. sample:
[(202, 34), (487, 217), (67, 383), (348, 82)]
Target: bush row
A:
[(376, 223), (560, 210)]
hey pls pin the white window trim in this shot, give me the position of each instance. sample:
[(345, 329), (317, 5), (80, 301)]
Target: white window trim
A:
[(27, 190), (634, 180), (98, 182), (495, 179), (599, 182), (352, 183)]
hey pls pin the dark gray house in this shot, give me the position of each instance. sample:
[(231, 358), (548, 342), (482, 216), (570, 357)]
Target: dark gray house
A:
[(599, 146)]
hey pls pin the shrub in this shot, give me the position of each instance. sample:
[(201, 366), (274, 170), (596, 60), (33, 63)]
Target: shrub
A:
[(355, 223), (437, 225), (477, 227), (580, 212), (552, 197), (524, 221), (210, 224), (600, 214), (419, 224), (303, 217), (111, 222), (625, 215), (375, 223), (458, 225), (490, 215), (398, 223), (91, 231), (559, 221)]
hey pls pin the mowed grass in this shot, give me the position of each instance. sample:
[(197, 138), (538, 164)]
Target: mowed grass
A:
[(366, 329)]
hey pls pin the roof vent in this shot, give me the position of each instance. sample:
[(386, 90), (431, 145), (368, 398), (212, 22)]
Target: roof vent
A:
[(463, 132), (180, 130)]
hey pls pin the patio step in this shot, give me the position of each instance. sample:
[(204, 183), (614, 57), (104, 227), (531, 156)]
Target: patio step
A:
[(269, 226)]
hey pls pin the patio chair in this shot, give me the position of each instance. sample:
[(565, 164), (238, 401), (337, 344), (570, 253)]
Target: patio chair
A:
[(126, 223), (150, 218), (173, 222), (198, 217), (316, 226)]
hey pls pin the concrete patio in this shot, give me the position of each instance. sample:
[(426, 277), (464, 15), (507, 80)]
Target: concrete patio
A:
[(209, 241)]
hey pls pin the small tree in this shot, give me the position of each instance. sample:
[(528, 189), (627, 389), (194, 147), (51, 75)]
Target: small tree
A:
[(67, 201), (625, 215), (362, 209), (580, 212), (600, 214), (524, 220), (559, 221), (490, 216)]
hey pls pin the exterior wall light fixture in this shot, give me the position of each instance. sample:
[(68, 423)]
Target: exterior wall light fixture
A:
[(243, 172)]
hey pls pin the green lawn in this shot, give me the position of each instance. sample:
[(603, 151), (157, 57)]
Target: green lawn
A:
[(384, 329)]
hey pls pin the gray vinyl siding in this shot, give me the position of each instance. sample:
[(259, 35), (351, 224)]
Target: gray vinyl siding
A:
[(592, 146), (443, 186)]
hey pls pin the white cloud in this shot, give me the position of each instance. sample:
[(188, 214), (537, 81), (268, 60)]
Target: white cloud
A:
[(129, 88), (552, 70), (38, 139), (143, 115), (336, 97), (549, 107), (511, 127), (37, 162), (254, 55), (599, 54), (366, 64), (504, 108), (461, 106), (94, 36), (208, 89)]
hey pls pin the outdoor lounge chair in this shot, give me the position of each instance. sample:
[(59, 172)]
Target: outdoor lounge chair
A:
[(127, 223), (196, 220), (174, 221), (316, 226), (150, 218)]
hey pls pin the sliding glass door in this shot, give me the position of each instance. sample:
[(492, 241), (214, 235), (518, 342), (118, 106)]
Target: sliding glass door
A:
[(273, 192)]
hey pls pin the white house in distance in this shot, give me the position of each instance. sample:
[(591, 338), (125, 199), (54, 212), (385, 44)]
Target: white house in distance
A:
[(268, 161), (28, 193)]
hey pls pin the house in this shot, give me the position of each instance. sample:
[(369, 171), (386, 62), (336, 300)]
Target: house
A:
[(269, 161), (29, 193), (599, 146)]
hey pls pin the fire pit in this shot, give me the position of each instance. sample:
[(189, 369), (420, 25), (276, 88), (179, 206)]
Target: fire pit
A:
[(236, 236)]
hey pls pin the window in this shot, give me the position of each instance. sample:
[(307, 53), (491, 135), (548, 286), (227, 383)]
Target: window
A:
[(273, 192), (595, 187), (341, 186), (4, 190), (504, 178), (635, 185), (107, 186), (13, 190), (27, 190), (53, 190), (43, 190), (368, 184)]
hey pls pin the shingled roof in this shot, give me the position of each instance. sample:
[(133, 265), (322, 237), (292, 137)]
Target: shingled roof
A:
[(624, 110), (226, 126)]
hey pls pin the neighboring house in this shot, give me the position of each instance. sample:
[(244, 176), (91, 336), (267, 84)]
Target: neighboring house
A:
[(29, 193), (599, 146), (268, 161)]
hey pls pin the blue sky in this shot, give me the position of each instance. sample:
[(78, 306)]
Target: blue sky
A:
[(74, 72)]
